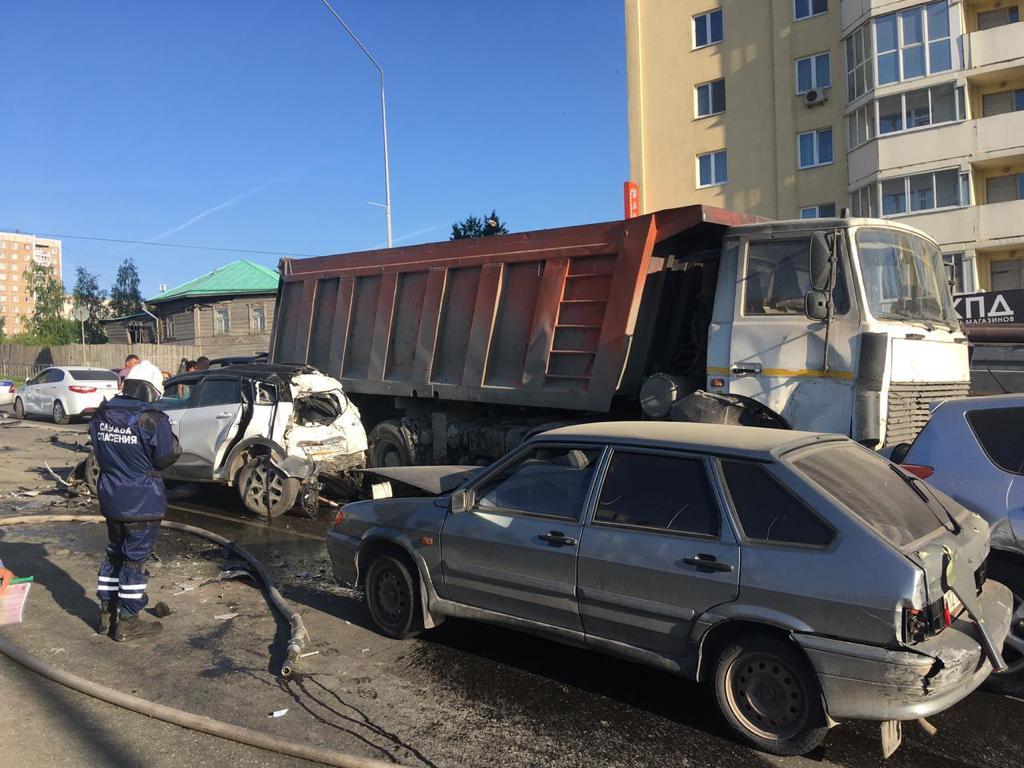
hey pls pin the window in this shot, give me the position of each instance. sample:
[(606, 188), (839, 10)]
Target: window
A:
[(804, 9), (776, 278), (919, 108), (1002, 102), (999, 17), (257, 319), (220, 392), (959, 272), (657, 491), (80, 374), (874, 490), (815, 147), (712, 169), (859, 74), (710, 98), (54, 376), (177, 395), (221, 321), (1007, 275), (921, 192), (998, 431), (548, 481), (707, 28), (769, 512), (1002, 189), (813, 72), (820, 211)]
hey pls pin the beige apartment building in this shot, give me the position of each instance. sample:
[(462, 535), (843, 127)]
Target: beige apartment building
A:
[(17, 252), (798, 108)]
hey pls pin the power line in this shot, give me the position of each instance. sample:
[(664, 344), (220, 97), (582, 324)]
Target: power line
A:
[(169, 245)]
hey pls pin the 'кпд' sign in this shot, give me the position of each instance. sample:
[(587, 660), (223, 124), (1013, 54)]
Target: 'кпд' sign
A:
[(990, 308)]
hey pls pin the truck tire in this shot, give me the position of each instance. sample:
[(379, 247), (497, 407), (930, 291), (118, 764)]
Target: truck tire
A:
[(390, 445), (265, 489), (392, 595), (769, 696)]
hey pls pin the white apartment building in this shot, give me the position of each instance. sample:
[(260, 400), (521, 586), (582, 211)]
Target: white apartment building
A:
[(935, 127)]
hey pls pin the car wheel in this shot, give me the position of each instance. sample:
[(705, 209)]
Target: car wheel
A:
[(59, 415), (391, 595), (91, 474), (390, 445), (769, 696), (1010, 573), (265, 489), (19, 408)]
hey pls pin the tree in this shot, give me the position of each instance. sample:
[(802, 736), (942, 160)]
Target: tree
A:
[(125, 298), (475, 226), (88, 294), (47, 325)]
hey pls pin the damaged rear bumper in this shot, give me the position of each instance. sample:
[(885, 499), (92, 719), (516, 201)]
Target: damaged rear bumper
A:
[(862, 682)]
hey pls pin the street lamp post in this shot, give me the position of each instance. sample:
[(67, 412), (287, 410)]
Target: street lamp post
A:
[(383, 116)]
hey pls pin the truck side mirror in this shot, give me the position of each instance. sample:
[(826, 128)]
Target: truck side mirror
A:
[(820, 262), (461, 501), (816, 305)]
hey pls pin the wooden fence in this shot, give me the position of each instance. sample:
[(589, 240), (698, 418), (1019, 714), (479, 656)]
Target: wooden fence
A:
[(23, 362)]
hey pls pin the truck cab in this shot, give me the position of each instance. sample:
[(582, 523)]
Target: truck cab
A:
[(837, 325)]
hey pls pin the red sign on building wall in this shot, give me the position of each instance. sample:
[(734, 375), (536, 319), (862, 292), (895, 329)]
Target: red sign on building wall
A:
[(631, 199)]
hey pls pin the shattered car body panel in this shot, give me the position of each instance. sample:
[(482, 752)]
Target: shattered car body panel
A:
[(849, 600)]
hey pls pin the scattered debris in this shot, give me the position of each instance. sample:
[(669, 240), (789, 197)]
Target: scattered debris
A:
[(225, 616), (162, 610), (279, 712), (311, 653)]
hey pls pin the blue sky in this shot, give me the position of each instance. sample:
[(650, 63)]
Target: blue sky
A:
[(256, 124)]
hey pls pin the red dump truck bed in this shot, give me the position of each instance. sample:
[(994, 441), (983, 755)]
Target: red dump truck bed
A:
[(541, 319)]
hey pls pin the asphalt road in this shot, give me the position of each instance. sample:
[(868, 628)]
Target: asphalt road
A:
[(463, 694)]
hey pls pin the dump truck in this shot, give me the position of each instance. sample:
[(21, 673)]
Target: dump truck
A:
[(457, 351)]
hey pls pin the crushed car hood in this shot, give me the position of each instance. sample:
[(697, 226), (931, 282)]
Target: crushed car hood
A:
[(433, 480)]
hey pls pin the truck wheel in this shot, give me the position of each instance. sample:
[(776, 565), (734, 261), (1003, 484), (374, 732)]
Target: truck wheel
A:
[(392, 597), (60, 416), (265, 489), (19, 409), (390, 445), (769, 696), (1010, 573), (91, 474)]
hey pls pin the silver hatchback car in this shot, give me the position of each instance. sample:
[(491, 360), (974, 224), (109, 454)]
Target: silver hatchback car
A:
[(805, 578)]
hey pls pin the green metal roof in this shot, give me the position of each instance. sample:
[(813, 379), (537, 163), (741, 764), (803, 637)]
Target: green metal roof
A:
[(238, 277)]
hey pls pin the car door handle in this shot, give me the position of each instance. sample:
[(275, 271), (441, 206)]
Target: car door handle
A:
[(708, 563), (557, 539), (225, 415), (747, 368)]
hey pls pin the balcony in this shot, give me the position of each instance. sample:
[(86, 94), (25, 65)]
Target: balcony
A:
[(1001, 223), (941, 146), (948, 226), (995, 48)]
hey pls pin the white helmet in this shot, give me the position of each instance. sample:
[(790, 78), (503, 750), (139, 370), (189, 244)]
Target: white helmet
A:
[(148, 373)]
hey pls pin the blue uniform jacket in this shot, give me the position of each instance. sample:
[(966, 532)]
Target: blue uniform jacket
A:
[(132, 442)]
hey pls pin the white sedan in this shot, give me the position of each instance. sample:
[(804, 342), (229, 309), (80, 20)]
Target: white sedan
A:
[(64, 393), (7, 392)]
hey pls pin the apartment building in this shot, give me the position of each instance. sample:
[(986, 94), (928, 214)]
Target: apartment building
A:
[(17, 252), (788, 108)]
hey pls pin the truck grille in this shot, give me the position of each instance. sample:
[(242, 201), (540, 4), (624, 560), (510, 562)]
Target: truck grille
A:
[(908, 406)]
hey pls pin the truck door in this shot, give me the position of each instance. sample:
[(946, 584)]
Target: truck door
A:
[(777, 353)]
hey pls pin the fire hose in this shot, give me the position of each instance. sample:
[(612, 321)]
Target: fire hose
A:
[(177, 716)]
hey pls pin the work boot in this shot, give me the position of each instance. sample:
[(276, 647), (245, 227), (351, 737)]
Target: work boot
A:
[(106, 617), (134, 628)]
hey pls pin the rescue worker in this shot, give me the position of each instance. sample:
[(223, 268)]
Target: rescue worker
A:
[(132, 442)]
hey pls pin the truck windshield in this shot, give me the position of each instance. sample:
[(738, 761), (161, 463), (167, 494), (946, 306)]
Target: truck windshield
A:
[(904, 277)]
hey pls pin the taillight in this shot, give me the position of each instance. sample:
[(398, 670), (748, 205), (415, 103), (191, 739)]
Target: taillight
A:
[(13, 389), (915, 625), (339, 516), (82, 390), (920, 470)]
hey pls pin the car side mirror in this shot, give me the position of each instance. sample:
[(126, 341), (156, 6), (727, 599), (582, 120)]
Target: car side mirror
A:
[(816, 305), (461, 501), (899, 453), (820, 260)]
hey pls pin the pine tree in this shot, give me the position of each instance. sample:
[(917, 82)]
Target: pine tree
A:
[(474, 226), (88, 294)]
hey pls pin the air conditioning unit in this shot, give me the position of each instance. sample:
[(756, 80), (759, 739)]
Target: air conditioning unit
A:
[(815, 96)]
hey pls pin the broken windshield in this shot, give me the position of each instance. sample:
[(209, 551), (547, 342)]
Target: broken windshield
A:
[(904, 277)]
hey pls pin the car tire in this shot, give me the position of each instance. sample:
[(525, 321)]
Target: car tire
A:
[(91, 474), (392, 595), (390, 445), (265, 489), (19, 409), (1011, 573), (769, 696), (60, 416)]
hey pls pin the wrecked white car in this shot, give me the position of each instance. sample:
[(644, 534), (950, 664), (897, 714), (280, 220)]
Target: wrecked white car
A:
[(269, 430)]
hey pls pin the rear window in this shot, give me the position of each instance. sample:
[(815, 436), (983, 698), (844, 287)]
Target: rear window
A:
[(769, 512), (999, 432), (81, 374), (867, 484)]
